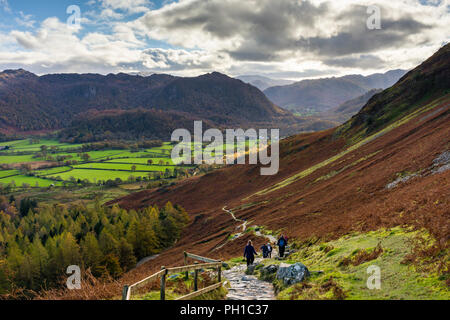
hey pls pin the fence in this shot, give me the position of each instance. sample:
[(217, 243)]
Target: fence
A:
[(196, 267)]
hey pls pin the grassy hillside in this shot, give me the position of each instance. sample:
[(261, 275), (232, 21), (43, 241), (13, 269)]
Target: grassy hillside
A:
[(344, 263), (337, 186)]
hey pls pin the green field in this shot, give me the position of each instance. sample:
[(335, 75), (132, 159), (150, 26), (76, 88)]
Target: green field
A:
[(46, 172), (99, 167), (7, 173), (17, 159), (31, 181), (97, 175), (120, 166), (25, 145), (140, 160)]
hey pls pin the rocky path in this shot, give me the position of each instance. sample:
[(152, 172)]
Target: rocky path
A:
[(246, 287), (244, 222)]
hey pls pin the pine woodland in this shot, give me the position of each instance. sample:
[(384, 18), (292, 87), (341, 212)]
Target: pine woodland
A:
[(39, 241)]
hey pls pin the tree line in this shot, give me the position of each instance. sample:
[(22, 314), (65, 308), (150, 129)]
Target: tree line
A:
[(39, 241)]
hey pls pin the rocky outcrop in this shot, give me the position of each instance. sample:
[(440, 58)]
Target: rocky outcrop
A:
[(291, 274)]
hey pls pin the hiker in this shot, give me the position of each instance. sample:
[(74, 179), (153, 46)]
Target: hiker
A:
[(249, 253), (282, 242), (269, 247), (265, 251)]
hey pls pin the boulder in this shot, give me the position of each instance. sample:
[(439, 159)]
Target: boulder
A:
[(271, 269), (291, 274), (251, 268)]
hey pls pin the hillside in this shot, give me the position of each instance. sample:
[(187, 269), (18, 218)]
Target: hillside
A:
[(346, 110), (323, 94), (329, 185), (29, 102)]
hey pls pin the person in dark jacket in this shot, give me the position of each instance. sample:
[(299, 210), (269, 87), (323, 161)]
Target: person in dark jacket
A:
[(249, 253), (265, 250), (269, 246), (282, 243)]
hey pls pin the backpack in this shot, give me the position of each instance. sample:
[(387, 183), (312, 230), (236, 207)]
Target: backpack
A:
[(282, 242)]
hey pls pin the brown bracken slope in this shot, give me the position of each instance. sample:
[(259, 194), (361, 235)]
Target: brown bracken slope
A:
[(330, 198)]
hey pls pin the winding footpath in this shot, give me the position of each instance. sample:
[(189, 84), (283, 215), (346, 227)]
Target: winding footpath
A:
[(248, 287)]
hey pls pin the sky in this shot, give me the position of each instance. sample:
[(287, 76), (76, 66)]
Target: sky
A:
[(284, 39)]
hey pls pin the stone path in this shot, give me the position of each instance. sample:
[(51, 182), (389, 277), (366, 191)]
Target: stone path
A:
[(246, 287)]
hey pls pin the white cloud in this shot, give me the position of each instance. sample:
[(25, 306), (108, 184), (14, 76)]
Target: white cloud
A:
[(299, 33), (57, 47), (283, 38), (5, 5), (25, 20)]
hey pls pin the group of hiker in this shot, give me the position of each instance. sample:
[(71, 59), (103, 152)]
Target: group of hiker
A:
[(266, 250)]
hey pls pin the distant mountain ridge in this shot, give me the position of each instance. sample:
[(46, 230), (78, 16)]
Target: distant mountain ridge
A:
[(324, 94), (30, 102), (346, 110), (262, 83)]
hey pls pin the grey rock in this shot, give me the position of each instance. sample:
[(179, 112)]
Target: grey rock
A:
[(291, 274), (251, 268), (269, 269)]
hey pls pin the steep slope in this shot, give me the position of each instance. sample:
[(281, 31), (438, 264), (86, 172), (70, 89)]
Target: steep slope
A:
[(331, 183), (29, 102), (328, 184), (426, 82), (323, 94), (346, 110)]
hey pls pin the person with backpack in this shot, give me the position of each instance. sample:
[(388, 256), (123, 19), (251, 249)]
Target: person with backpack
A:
[(269, 247), (282, 243), (249, 253), (265, 251)]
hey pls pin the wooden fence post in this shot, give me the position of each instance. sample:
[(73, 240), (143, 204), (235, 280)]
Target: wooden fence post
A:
[(186, 277), (125, 292), (219, 273), (163, 284), (196, 278)]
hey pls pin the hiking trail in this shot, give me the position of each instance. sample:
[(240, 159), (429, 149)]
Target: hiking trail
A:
[(247, 287), (243, 286)]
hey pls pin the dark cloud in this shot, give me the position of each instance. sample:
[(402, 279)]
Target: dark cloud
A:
[(361, 61), (271, 29)]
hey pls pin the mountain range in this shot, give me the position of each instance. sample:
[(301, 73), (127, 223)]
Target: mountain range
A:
[(67, 101), (318, 95), (262, 83), (346, 110)]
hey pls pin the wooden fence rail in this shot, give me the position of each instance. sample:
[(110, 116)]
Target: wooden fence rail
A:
[(196, 267)]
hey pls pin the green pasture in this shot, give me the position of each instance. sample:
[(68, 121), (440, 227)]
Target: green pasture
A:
[(140, 160), (97, 175), (25, 145), (119, 166), (17, 159), (31, 181), (6, 173), (46, 172)]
